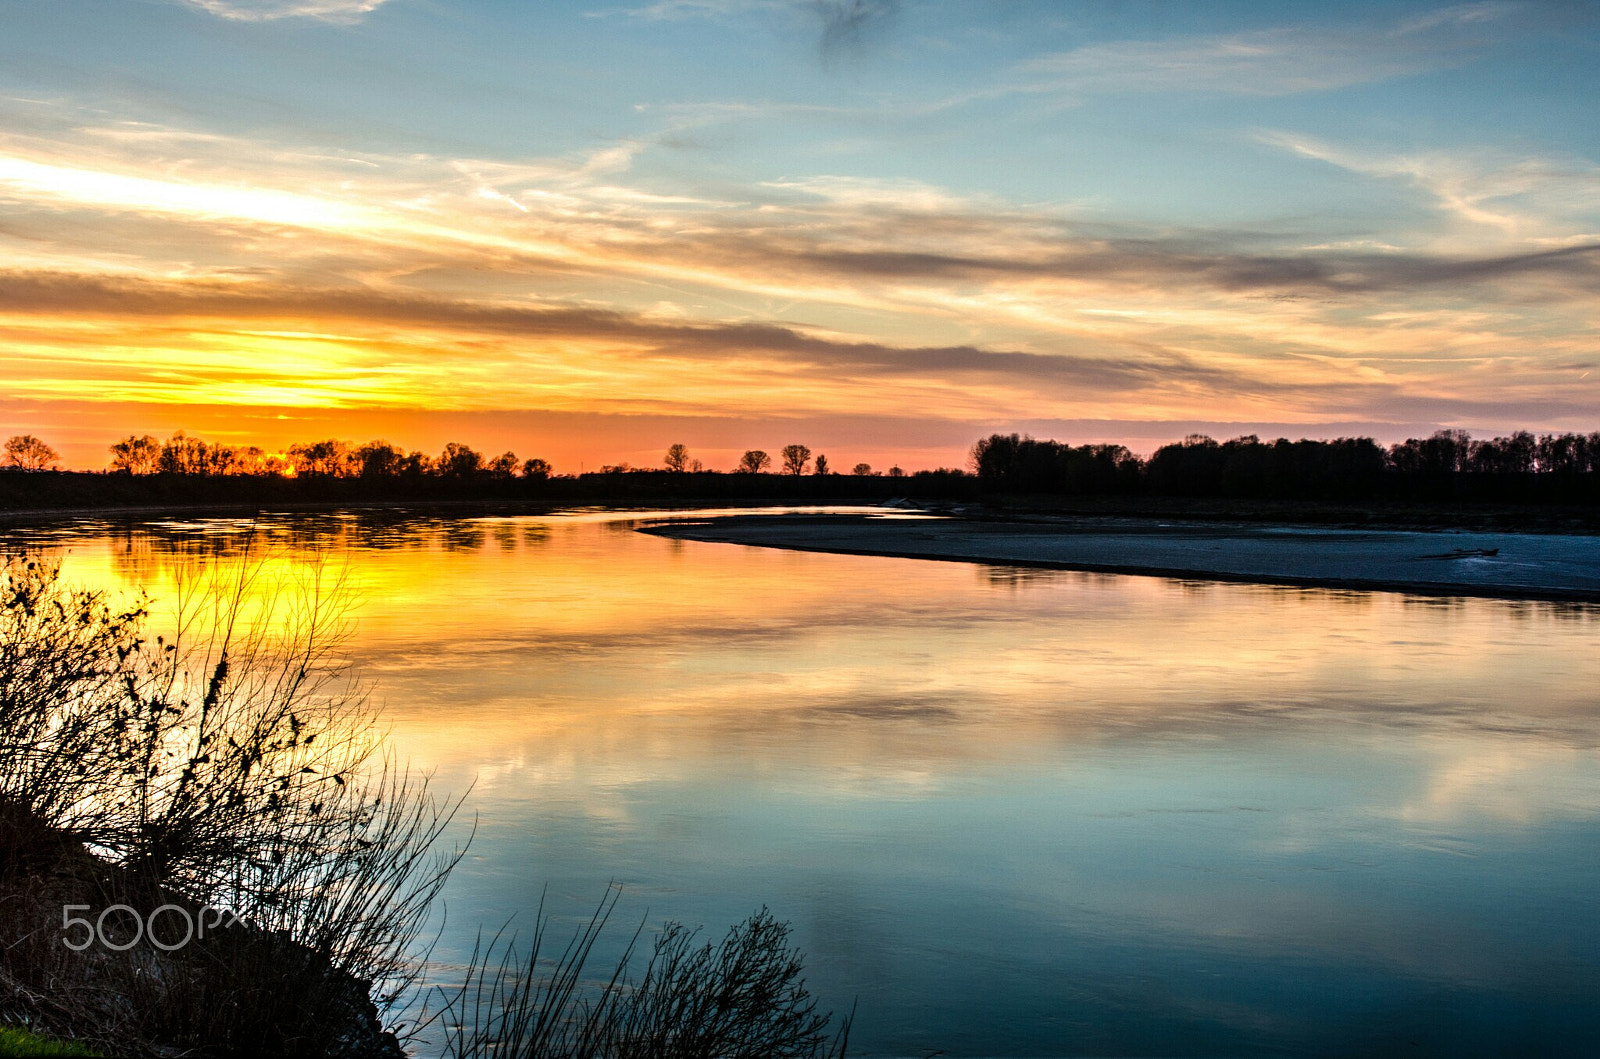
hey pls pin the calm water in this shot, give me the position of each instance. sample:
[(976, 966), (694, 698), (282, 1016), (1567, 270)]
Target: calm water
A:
[(1014, 812)]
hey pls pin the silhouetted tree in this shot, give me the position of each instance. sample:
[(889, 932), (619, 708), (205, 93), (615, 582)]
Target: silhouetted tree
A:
[(795, 458), (1560, 454), (182, 454), (377, 459), (327, 458), (822, 465), (861, 469), (897, 472), (536, 468), (136, 455), (502, 466), (677, 458), (754, 462), (1192, 468), (458, 461), (992, 458), (1513, 455), (29, 453), (246, 459), (1430, 466)]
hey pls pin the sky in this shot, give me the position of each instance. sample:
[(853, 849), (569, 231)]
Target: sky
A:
[(586, 231)]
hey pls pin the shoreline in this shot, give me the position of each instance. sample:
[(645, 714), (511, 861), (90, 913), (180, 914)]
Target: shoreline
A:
[(1542, 567)]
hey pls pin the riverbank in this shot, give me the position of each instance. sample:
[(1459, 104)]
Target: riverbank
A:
[(1560, 567), (30, 497)]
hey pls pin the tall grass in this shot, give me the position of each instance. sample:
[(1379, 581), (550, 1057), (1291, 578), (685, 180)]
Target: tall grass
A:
[(227, 763), (742, 998)]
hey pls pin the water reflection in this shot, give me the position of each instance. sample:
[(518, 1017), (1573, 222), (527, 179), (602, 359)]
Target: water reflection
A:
[(1018, 811)]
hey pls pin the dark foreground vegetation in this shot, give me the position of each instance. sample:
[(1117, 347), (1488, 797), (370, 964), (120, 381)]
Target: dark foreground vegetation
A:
[(204, 851)]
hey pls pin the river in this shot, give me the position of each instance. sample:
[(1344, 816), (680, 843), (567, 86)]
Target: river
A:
[(1009, 812)]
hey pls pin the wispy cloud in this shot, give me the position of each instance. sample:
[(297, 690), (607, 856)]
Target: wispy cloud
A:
[(676, 10), (157, 265), (843, 26), (382, 349), (268, 10), (1272, 62), (1513, 196)]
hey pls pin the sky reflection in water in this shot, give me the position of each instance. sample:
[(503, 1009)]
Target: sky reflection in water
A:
[(1016, 812)]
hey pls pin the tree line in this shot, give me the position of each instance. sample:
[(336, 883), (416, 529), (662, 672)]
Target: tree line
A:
[(184, 454), (1448, 465)]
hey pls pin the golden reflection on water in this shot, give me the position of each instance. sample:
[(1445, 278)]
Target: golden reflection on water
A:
[(496, 641)]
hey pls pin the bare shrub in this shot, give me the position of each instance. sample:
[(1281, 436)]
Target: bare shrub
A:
[(63, 656), (228, 764), (744, 998)]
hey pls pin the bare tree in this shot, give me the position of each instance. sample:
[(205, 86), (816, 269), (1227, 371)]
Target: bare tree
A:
[(252, 459), (502, 466), (821, 466), (536, 468), (29, 453), (328, 457), (182, 454), (677, 458), (862, 469), (754, 462), (136, 455), (795, 458)]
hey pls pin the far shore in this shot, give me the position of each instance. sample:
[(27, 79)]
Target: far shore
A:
[(1493, 564)]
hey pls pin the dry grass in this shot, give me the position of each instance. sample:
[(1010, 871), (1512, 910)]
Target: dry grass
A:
[(229, 763), (744, 998)]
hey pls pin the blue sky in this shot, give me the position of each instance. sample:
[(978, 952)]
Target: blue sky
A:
[(884, 228)]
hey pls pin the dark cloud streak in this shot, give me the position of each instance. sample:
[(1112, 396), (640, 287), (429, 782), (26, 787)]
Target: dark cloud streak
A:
[(849, 25), (1232, 271), (49, 293)]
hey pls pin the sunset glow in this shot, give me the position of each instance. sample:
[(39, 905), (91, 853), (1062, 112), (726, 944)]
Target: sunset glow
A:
[(589, 231)]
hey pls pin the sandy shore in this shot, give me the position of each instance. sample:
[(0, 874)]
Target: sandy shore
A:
[(1526, 566)]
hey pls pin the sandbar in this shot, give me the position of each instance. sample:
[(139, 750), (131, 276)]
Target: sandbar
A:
[(1466, 563)]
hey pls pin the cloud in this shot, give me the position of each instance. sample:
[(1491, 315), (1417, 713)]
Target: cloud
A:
[(678, 10), (1510, 195), (845, 26), (46, 293), (1175, 261), (122, 191), (268, 10), (147, 262), (1274, 62)]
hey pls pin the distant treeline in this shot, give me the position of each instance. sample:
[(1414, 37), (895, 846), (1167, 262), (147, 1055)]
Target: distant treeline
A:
[(187, 471), (1449, 465)]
